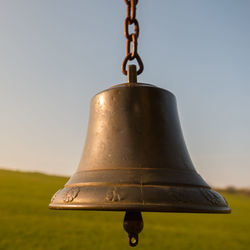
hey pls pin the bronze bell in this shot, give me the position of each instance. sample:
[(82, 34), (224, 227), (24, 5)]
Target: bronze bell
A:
[(135, 159)]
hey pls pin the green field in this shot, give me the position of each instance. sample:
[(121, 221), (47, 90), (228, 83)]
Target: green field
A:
[(27, 223)]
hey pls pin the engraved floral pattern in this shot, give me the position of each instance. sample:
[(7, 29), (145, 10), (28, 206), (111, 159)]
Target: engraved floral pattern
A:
[(113, 196), (211, 196), (71, 194), (179, 196)]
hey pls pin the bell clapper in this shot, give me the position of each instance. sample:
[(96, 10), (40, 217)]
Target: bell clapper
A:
[(133, 225), (132, 74)]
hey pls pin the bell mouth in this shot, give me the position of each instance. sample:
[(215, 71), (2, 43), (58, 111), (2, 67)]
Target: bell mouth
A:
[(150, 198)]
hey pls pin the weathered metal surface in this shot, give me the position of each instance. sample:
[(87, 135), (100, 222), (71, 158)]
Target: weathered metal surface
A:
[(135, 158)]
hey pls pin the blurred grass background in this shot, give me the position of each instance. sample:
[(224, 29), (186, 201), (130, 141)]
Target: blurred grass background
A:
[(27, 223)]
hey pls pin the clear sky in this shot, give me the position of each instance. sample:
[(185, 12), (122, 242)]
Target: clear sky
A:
[(56, 54)]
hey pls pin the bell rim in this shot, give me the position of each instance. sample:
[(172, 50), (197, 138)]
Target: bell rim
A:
[(145, 198), (142, 208)]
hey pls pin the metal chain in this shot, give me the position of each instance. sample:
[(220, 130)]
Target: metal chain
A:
[(131, 38)]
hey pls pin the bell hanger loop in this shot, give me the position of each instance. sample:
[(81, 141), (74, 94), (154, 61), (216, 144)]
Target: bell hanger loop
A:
[(132, 74)]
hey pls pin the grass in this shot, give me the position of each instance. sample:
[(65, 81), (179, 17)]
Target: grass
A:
[(27, 223)]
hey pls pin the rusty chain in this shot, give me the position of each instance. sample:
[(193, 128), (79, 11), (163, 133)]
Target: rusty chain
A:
[(131, 38)]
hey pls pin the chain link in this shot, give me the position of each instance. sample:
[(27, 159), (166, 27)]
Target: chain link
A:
[(131, 38)]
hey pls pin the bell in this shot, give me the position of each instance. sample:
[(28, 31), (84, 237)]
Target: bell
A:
[(135, 159)]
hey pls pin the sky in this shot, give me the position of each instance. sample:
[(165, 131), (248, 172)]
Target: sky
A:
[(56, 54)]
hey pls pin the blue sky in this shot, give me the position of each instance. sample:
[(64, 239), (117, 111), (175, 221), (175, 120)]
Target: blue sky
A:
[(55, 55)]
